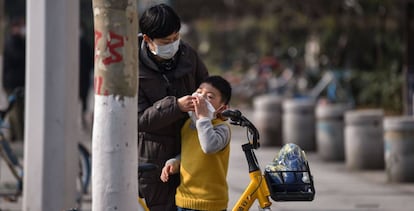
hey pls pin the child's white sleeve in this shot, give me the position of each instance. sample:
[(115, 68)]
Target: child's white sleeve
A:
[(175, 162), (212, 139)]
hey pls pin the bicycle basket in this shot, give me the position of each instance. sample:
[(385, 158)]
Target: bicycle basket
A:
[(290, 185)]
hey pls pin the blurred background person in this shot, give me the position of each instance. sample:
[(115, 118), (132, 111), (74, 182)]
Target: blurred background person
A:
[(14, 73), (86, 62)]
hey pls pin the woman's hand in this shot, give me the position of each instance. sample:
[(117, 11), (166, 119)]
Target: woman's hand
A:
[(185, 103)]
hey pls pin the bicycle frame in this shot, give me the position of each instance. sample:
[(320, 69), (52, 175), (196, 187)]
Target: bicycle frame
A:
[(257, 188), (143, 206)]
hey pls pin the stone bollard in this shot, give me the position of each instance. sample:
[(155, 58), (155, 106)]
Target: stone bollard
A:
[(399, 148), (299, 123), (330, 131), (364, 145), (268, 119)]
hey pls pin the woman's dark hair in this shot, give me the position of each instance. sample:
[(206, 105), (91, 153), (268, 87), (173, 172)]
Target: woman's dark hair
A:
[(159, 21), (222, 85)]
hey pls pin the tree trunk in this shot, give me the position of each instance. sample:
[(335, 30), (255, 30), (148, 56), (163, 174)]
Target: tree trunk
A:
[(114, 148)]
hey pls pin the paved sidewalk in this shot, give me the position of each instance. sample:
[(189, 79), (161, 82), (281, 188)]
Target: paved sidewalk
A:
[(337, 189)]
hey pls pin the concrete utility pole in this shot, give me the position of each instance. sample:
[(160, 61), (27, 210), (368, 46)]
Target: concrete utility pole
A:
[(114, 142), (51, 105)]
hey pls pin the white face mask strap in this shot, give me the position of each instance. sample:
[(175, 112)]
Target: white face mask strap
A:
[(222, 108)]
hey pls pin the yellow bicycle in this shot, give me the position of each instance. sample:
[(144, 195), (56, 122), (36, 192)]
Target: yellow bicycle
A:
[(270, 184)]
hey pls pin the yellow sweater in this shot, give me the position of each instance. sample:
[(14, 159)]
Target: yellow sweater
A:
[(203, 183)]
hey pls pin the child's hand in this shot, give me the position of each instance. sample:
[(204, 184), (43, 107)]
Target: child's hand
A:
[(171, 167), (200, 106), (165, 173)]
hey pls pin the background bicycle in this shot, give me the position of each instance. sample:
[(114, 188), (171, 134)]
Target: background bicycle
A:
[(12, 157)]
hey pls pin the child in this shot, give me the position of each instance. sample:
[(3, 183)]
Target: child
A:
[(204, 151)]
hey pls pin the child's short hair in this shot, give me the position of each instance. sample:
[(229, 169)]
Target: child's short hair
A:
[(222, 85)]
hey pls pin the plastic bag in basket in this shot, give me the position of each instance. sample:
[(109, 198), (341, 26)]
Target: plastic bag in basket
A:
[(289, 166)]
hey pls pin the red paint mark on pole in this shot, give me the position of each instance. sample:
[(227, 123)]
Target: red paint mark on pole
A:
[(98, 36), (115, 41), (118, 42), (98, 84)]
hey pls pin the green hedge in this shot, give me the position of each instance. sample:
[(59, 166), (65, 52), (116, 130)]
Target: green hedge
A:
[(378, 89)]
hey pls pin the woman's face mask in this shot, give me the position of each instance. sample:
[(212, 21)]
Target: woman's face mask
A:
[(166, 51)]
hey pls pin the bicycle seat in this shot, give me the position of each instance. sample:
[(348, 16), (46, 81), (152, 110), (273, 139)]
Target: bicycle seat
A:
[(145, 167)]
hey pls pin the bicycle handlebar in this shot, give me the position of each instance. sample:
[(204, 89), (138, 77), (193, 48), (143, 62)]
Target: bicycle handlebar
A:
[(237, 118)]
